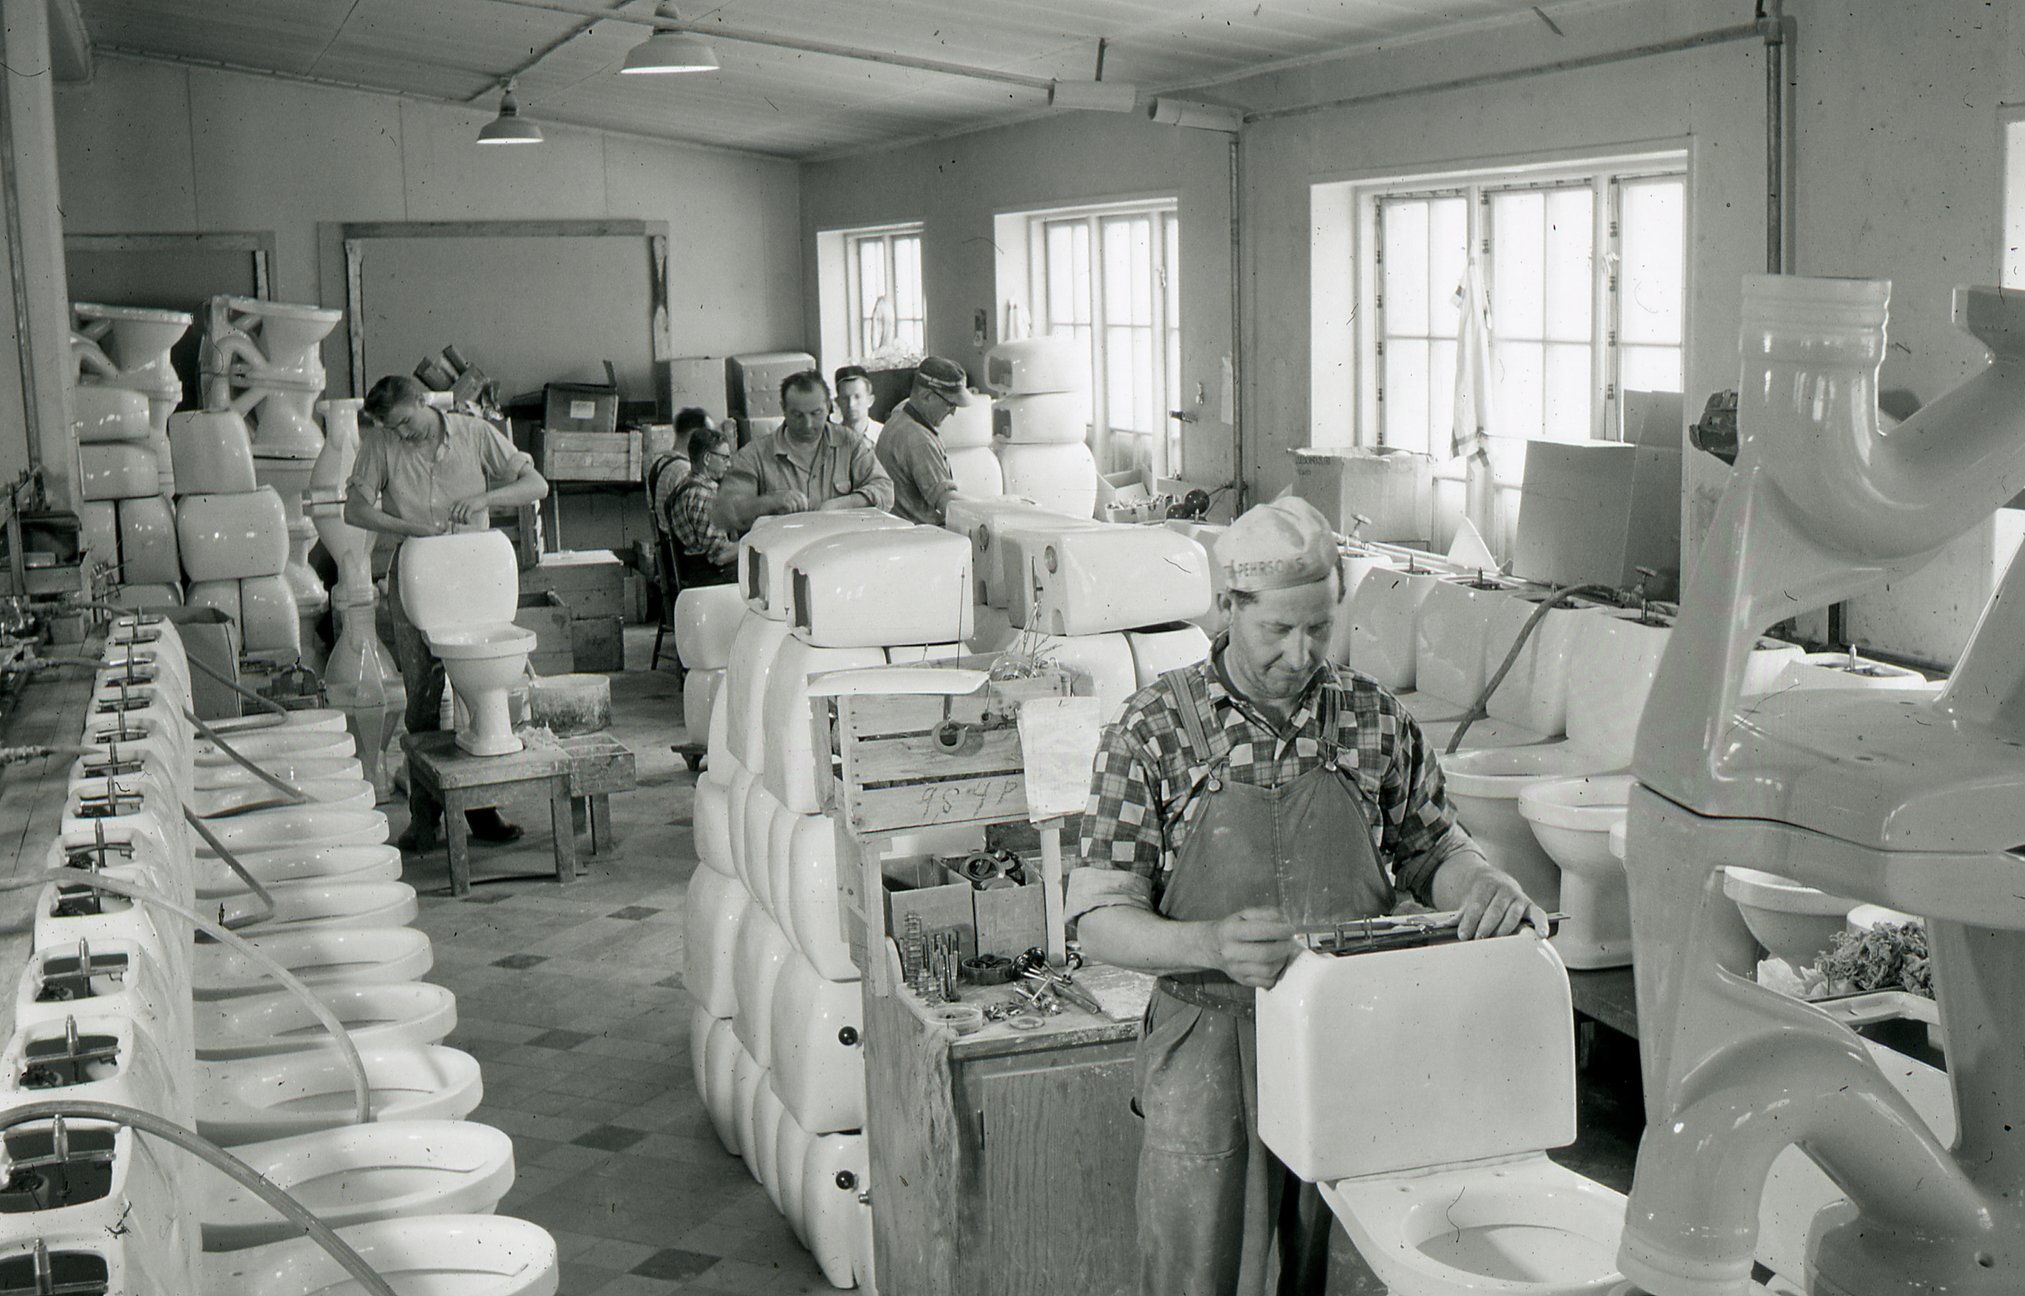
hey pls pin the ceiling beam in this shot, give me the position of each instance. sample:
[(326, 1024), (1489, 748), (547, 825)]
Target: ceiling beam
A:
[(743, 36), (543, 53)]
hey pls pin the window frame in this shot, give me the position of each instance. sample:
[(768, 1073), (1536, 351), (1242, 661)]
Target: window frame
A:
[(1163, 441), (1604, 176), (858, 319)]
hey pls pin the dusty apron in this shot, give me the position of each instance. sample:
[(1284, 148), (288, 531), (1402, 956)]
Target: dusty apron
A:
[(1210, 1194)]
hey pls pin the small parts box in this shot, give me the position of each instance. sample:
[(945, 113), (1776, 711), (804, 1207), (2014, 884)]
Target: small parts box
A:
[(580, 407)]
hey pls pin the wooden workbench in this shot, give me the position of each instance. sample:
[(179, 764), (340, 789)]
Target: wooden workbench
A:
[(441, 777)]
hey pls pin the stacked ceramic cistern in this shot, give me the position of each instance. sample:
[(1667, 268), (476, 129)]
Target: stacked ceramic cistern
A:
[(1041, 423), (126, 388), (260, 362), (117, 1005)]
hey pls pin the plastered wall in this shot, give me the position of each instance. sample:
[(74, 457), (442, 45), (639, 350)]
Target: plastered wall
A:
[(148, 148)]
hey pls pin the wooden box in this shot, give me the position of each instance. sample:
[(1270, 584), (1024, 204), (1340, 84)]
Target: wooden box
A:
[(889, 770), (752, 381), (599, 765), (580, 407), (549, 618), (588, 456), (592, 582), (598, 643)]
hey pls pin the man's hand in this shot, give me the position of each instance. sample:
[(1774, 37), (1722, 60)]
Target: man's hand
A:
[(467, 510), (724, 553), (787, 501), (1495, 905), (1252, 945)]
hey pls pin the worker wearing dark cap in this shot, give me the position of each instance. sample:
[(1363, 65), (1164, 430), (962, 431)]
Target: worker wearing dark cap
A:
[(911, 449), (1234, 803)]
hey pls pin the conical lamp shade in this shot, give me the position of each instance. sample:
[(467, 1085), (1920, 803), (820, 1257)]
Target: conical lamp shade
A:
[(670, 52), (509, 127)]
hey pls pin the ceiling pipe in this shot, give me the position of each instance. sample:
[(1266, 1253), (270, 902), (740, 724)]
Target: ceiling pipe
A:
[(742, 36)]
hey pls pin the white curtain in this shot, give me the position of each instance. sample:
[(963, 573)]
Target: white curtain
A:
[(1475, 419)]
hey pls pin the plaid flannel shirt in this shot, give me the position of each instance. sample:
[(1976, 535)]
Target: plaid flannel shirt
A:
[(689, 515), (1143, 780)]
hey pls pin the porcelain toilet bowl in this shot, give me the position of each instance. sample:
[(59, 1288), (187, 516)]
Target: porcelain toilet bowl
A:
[(1058, 477), (1572, 819), (1162, 648), (706, 621), (96, 1057), (65, 914), (1450, 637), (246, 1100), (317, 957), (440, 1255), (1376, 632), (356, 1174), (279, 743), (767, 1115), (232, 536), (699, 699), (803, 851), (109, 414), (1017, 545), (1525, 1227), (1793, 921), (379, 862), (790, 1156), (713, 916), (400, 1013), (92, 1238), (461, 591), (976, 471), (213, 452), (1118, 578), (298, 827), (116, 978), (252, 799), (483, 664), (871, 588), (790, 773), (743, 698), (837, 1223), (147, 542), (742, 780), (315, 904), (287, 768), (1456, 1197), (767, 547)]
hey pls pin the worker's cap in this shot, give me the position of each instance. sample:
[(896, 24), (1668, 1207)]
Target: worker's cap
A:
[(1276, 546), (945, 378)]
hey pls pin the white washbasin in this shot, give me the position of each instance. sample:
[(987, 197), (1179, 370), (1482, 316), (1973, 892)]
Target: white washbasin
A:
[(1791, 920), (262, 744), (298, 826), (379, 861), (377, 1016), (356, 1174), (242, 1100), (316, 957), (429, 1255), (253, 798), (317, 903), (289, 767)]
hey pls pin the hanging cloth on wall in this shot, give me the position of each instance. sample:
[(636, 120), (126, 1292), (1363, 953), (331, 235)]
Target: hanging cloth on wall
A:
[(1475, 420)]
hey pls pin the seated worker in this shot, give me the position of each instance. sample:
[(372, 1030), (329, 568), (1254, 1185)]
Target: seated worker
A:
[(911, 449), (809, 464), (854, 402), (423, 472), (1232, 804), (704, 555), (671, 466)]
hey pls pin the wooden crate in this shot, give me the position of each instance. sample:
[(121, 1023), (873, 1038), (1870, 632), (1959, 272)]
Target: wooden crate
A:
[(588, 456), (598, 643), (888, 771), (591, 581)]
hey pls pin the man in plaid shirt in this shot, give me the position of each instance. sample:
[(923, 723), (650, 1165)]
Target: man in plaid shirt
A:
[(1233, 804)]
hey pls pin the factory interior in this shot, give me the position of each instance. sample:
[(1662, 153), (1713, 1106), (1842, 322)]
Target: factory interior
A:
[(1341, 649)]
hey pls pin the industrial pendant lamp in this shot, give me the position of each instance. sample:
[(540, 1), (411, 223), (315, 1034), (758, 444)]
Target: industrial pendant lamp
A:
[(509, 127), (669, 51)]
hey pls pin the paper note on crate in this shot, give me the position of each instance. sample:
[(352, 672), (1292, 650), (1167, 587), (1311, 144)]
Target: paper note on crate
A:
[(1058, 741)]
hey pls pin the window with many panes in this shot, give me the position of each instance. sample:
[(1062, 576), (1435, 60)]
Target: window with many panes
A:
[(1584, 272), (1111, 277), (883, 295)]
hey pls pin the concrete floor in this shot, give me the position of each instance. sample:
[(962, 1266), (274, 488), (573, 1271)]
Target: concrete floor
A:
[(572, 998)]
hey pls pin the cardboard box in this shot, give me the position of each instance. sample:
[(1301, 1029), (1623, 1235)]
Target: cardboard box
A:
[(211, 637), (598, 643), (752, 381), (1393, 488), (699, 381), (580, 407), (1597, 512), (592, 582)]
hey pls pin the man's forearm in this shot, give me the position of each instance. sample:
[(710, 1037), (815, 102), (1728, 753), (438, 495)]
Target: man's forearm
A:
[(736, 512), (1130, 937), (369, 517), (528, 489)]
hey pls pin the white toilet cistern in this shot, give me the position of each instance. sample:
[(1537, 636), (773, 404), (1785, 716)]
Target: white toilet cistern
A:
[(1910, 801)]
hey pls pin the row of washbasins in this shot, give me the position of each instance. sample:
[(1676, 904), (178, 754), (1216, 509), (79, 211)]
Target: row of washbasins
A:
[(1542, 781), (118, 1004), (776, 1039)]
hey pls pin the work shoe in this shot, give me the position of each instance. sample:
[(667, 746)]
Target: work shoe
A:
[(486, 826)]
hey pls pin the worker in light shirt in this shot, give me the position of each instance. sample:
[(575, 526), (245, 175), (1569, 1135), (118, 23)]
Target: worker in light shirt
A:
[(1234, 803), (910, 446), (854, 403)]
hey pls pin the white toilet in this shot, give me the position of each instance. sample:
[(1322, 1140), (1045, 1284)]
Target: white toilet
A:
[(714, 911), (317, 957), (461, 592), (818, 1056), (761, 953), (1572, 819), (1376, 629), (441, 1255), (720, 1059), (1117, 578), (1435, 1163), (375, 1016)]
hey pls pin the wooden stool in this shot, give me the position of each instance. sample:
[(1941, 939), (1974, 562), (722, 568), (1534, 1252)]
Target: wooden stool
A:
[(599, 766), (440, 776)]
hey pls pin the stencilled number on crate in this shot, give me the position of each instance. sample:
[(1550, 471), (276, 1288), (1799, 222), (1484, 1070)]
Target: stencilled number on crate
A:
[(971, 800)]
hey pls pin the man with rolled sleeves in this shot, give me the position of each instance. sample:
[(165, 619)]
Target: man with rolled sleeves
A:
[(1234, 803), (811, 463), (910, 448)]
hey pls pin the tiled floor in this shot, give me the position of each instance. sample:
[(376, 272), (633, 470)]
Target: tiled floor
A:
[(573, 1001)]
